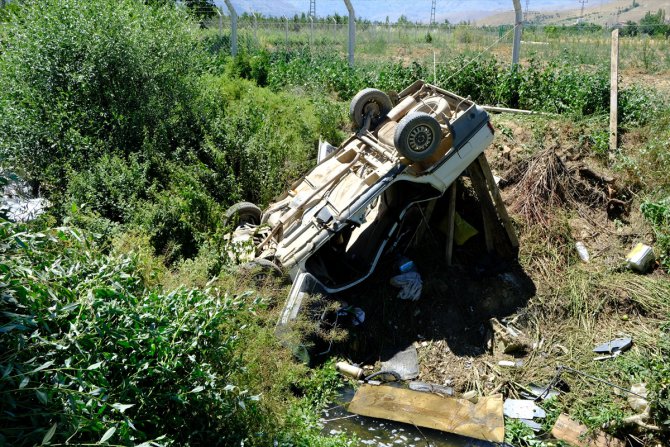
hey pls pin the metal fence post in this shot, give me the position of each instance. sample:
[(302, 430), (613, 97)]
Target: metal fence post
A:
[(311, 31), (352, 31), (286, 30), (233, 26), (256, 28), (518, 26)]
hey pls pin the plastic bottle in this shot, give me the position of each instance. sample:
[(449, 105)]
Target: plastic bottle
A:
[(582, 251)]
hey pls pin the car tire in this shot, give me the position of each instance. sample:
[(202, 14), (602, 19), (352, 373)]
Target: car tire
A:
[(259, 269), (369, 101), (417, 136), (242, 213)]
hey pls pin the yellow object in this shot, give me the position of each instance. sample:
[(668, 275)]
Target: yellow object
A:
[(483, 420), (463, 231)]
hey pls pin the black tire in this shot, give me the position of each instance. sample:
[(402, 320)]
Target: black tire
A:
[(369, 101), (260, 269), (417, 136), (242, 213)]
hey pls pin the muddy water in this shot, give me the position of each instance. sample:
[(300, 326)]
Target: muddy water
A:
[(383, 433)]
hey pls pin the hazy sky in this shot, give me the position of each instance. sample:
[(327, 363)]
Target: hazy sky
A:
[(414, 10)]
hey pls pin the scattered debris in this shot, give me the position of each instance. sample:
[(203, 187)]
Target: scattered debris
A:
[(506, 338), (356, 313), (577, 434), (18, 203), (483, 420), (471, 396), (405, 363), (408, 279), (614, 347), (511, 364), (637, 399), (532, 424), (522, 409), (348, 370), (636, 402), (540, 392), (640, 258), (431, 388), (582, 251)]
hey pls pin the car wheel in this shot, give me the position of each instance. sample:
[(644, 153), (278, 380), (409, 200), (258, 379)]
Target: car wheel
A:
[(369, 101), (260, 269), (417, 136), (242, 213)]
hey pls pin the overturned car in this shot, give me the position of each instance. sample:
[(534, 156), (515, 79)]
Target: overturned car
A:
[(330, 230)]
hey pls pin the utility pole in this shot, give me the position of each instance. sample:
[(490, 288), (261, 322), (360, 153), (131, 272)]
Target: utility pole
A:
[(525, 15), (433, 7), (581, 16), (312, 8)]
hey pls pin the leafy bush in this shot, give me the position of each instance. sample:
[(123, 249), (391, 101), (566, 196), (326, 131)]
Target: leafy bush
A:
[(111, 186), (81, 78), (89, 354), (658, 214), (87, 351), (263, 139)]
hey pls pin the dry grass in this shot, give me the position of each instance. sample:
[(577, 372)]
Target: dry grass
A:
[(544, 184)]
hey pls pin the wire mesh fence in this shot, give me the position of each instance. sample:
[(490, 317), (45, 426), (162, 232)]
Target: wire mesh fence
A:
[(406, 42)]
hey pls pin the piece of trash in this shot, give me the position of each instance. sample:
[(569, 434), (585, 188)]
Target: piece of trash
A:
[(579, 435), (532, 424), (431, 388), (471, 395), (542, 392), (638, 403), (511, 364), (506, 339), (582, 251), (640, 258), (483, 420), (463, 231), (613, 346), (522, 409), (348, 370), (411, 285), (357, 314), (405, 363)]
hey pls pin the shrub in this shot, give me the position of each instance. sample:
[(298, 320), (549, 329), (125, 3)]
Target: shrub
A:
[(81, 78), (111, 187), (87, 352), (657, 214), (90, 354), (263, 139)]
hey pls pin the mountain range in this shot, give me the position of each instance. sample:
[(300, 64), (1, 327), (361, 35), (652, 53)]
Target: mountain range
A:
[(416, 10)]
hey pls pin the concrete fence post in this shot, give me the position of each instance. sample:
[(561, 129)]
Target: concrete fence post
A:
[(233, 26)]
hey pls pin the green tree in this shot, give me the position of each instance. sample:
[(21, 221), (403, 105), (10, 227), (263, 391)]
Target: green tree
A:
[(83, 78), (654, 23)]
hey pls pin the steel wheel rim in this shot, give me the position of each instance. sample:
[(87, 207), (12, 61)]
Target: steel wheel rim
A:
[(420, 138)]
